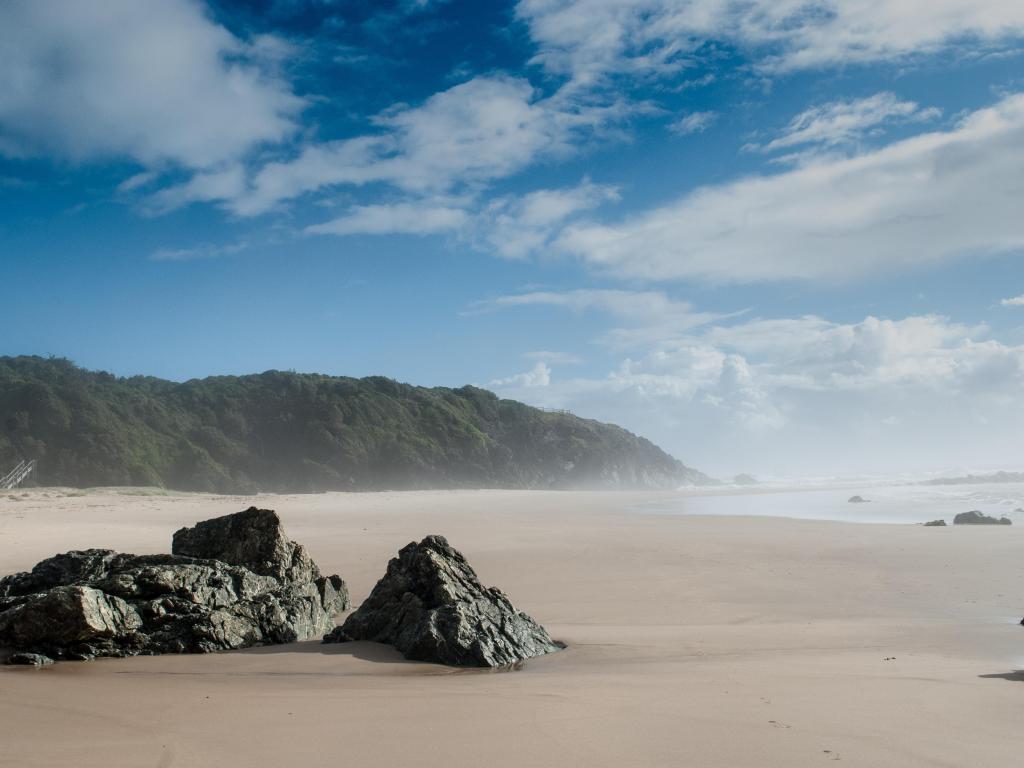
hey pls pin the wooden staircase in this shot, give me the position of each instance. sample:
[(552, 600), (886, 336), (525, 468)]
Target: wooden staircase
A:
[(17, 476)]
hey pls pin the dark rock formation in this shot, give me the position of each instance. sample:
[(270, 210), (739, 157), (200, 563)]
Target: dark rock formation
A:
[(232, 582), (253, 539), (858, 500), (29, 659), (997, 477), (431, 606), (974, 517), (935, 523)]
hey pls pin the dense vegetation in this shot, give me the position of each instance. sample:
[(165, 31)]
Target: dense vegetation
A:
[(291, 432)]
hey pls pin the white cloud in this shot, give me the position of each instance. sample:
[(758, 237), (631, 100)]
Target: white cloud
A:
[(220, 184), (156, 81), (475, 132), (538, 376), (512, 226), (589, 39), (843, 122), (806, 395), (198, 252), (1016, 301), (933, 197), (399, 218), (517, 227), (649, 316), (695, 122)]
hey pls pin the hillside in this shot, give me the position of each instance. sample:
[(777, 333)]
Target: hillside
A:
[(289, 432)]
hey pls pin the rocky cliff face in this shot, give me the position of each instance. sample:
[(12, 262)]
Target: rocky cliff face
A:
[(232, 582), (431, 606)]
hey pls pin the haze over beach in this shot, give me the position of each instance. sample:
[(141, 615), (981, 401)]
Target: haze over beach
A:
[(693, 327)]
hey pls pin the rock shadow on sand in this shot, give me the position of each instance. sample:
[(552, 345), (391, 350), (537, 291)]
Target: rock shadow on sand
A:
[(379, 653), (1017, 676)]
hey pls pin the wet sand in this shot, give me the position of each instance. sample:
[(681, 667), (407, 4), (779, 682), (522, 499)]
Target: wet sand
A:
[(693, 641)]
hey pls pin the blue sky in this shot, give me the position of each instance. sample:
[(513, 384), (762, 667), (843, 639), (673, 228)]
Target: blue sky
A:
[(780, 238)]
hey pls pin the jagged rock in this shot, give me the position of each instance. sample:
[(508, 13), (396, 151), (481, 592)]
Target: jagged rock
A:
[(253, 539), (233, 582), (431, 606), (857, 500), (28, 660), (935, 523), (974, 517)]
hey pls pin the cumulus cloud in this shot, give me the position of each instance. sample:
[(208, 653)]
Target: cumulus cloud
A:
[(934, 197), (591, 39), (538, 376), (806, 394), (156, 81), (1016, 301), (843, 122)]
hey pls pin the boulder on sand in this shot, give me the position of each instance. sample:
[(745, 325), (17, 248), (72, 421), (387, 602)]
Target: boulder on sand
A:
[(29, 660), (974, 517), (857, 500), (232, 582), (431, 606)]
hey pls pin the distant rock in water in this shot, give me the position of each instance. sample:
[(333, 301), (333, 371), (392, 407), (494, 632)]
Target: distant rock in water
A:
[(745, 479), (232, 582), (857, 500), (431, 606), (974, 517), (995, 477), (935, 523)]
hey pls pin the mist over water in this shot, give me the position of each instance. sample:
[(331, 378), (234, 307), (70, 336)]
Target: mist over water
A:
[(893, 502)]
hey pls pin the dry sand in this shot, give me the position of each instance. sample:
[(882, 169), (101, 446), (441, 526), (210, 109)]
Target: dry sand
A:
[(693, 641)]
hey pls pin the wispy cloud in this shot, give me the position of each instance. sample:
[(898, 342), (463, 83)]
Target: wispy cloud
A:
[(197, 252), (590, 40), (520, 226), (649, 317), (695, 122), (469, 135), (847, 121), (1016, 301), (936, 196), (420, 218)]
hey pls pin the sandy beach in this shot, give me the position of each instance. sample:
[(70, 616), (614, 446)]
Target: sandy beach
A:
[(692, 641)]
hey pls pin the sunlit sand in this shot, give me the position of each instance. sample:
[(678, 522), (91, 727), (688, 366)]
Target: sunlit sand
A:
[(692, 640)]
